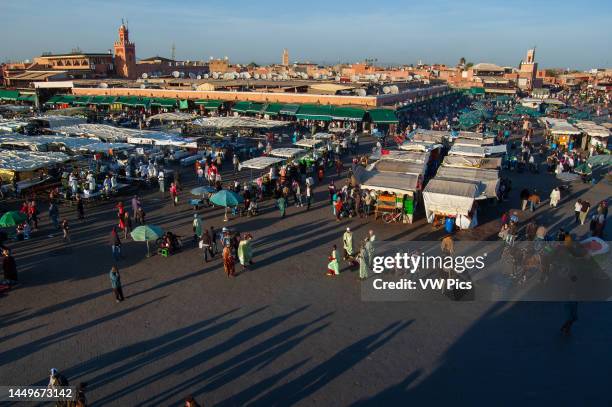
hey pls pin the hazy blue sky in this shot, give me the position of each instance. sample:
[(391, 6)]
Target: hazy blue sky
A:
[(577, 35)]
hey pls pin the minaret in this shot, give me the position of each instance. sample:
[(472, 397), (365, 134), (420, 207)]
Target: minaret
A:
[(285, 57), (125, 54)]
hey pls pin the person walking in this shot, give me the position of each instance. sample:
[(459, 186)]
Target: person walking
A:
[(363, 261), (135, 205), (524, 198), (115, 243), (115, 279), (534, 201), (228, 262), (245, 251), (555, 197), (235, 162), (127, 224), (207, 245), (333, 268), (65, 229), (9, 266)]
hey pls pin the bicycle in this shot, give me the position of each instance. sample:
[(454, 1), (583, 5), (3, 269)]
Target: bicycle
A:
[(395, 216)]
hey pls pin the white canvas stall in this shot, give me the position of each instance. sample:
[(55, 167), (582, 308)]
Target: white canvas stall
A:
[(598, 134), (74, 144), (453, 198), (490, 178), (460, 141), (12, 126), (29, 160), (260, 163), (496, 150), (308, 143), (395, 183), (322, 136), (560, 126), (402, 167), (469, 151), (420, 157), (429, 136), (471, 162), (238, 122), (287, 152), (419, 146)]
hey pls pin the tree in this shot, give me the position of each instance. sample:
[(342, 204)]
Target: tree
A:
[(469, 65), (253, 65)]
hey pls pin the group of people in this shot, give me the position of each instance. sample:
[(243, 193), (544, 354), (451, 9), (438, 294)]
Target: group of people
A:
[(363, 257)]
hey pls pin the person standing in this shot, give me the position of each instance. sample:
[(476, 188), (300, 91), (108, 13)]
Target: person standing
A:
[(115, 243), (214, 238), (174, 193), (135, 206), (308, 196), (333, 268), (80, 208), (245, 251), (56, 379), (207, 246), (235, 162), (534, 201), (9, 266), (228, 262), (54, 214), (282, 205), (347, 246), (115, 279), (197, 227), (584, 211), (162, 183), (127, 224), (363, 261), (577, 209)]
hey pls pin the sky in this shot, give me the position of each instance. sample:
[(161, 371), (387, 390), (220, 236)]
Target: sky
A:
[(577, 35)]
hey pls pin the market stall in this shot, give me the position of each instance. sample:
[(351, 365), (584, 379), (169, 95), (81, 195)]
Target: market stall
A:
[(457, 200), (287, 152), (562, 132)]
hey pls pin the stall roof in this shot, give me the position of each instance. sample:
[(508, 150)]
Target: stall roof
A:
[(287, 152), (471, 162), (593, 129), (472, 135), (322, 136), (209, 103), (308, 143), (238, 122), (383, 116), (260, 163), (12, 125), (559, 126), (400, 155), (74, 144), (56, 121), (399, 167), (490, 178), (419, 146), (454, 188), (460, 141), (430, 136), (390, 182), (177, 117), (29, 160), (470, 151)]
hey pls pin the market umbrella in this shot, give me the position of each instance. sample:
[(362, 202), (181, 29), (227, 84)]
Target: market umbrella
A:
[(203, 190), (12, 218), (147, 233), (226, 198), (601, 159)]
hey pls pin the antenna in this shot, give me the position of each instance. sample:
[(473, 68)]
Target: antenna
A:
[(173, 52)]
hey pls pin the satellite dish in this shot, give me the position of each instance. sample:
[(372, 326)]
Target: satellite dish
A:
[(386, 90), (144, 75), (211, 58), (182, 74), (361, 92), (247, 75), (143, 86), (192, 75), (383, 76), (215, 75), (176, 74), (394, 89), (264, 76), (337, 79), (103, 85), (206, 76), (256, 76), (199, 77)]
